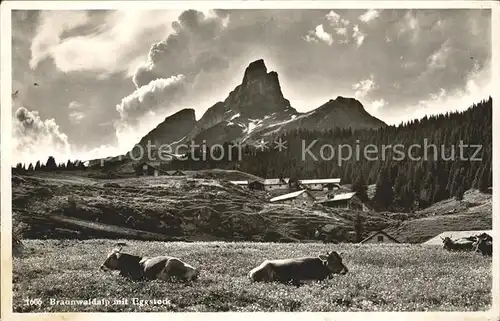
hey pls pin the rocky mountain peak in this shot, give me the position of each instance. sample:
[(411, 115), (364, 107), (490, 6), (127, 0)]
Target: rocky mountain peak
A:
[(344, 102), (173, 128), (255, 70), (259, 93), (257, 107), (187, 114)]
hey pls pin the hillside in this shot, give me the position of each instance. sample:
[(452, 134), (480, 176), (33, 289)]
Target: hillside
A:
[(203, 205), (474, 212), (421, 230), (473, 202), (161, 208)]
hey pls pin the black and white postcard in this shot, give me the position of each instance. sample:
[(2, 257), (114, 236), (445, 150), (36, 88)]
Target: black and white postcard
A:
[(249, 156)]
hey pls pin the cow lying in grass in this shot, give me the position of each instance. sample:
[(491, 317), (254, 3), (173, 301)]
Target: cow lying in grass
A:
[(299, 269), (160, 267), (475, 238), (484, 244), (451, 245)]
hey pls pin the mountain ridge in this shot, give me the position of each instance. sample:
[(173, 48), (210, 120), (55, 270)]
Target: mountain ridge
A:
[(257, 108)]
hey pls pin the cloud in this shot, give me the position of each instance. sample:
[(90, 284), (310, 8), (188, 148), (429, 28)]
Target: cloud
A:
[(338, 25), (188, 50), (439, 57), (364, 87), (50, 31), (319, 33), (478, 87), (336, 30), (114, 45), (35, 138), (102, 151), (144, 108), (75, 105), (336, 20), (358, 35), (341, 31), (76, 117), (159, 93), (410, 26), (369, 15), (177, 69), (376, 105)]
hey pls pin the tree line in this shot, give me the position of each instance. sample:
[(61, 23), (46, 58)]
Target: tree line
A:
[(50, 165)]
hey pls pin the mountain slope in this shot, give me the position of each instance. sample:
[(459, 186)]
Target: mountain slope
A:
[(174, 128), (343, 112), (257, 108)]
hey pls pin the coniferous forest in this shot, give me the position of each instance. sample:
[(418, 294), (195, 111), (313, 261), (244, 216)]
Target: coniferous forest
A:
[(438, 169)]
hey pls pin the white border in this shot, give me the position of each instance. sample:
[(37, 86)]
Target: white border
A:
[(6, 197)]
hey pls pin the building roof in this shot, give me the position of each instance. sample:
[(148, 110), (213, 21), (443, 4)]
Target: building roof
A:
[(338, 197), (289, 196), (276, 181), (320, 181), (436, 240), (176, 172), (239, 182), (379, 232), (154, 167)]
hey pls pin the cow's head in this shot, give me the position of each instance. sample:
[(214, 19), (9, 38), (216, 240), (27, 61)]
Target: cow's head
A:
[(112, 262), (447, 242), (333, 262), (481, 245), (193, 274)]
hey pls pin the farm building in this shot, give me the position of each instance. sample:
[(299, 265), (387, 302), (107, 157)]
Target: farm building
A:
[(298, 198), (276, 183), (145, 169), (379, 237), (256, 185), (176, 173), (344, 201), (243, 184), (270, 184), (454, 235), (320, 184)]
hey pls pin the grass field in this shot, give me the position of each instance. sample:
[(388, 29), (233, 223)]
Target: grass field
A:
[(380, 278)]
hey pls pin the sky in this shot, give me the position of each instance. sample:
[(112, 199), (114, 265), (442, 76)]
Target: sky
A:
[(90, 84)]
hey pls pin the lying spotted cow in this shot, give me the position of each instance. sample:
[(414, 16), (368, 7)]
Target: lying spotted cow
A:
[(484, 245), (160, 267), (299, 269), (456, 246)]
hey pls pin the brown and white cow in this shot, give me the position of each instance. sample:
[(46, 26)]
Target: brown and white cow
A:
[(484, 244), (451, 245), (296, 270), (159, 267), (167, 268)]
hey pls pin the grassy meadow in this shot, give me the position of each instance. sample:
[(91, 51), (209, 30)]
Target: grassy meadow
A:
[(381, 277)]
